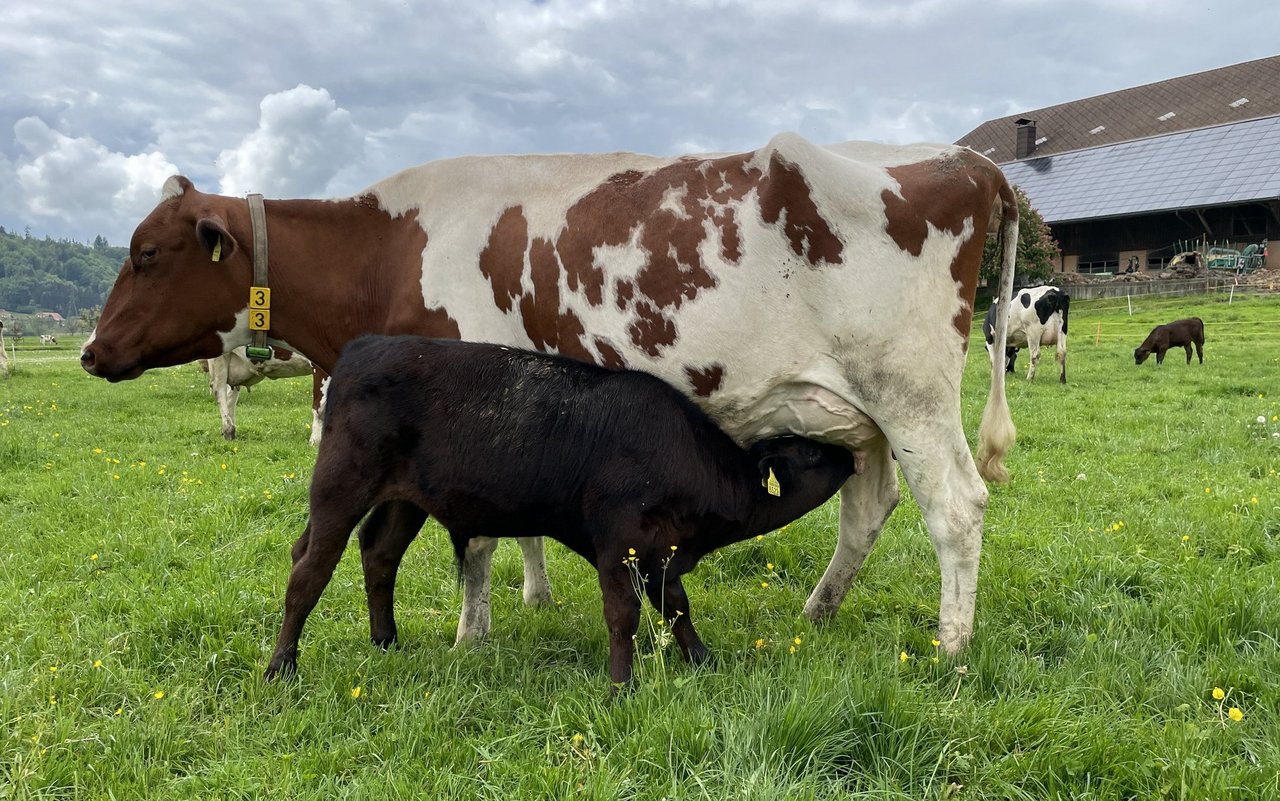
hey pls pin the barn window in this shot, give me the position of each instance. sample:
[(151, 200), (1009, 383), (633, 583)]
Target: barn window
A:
[(1107, 263), (1158, 262)]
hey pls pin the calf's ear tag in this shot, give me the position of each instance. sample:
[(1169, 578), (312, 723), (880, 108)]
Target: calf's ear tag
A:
[(771, 484), (217, 250)]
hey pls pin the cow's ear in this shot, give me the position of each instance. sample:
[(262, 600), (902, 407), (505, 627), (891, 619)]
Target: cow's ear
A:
[(214, 237)]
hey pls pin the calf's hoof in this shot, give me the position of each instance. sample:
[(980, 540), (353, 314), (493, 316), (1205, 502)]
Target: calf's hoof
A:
[(282, 668), (385, 643), (700, 656)]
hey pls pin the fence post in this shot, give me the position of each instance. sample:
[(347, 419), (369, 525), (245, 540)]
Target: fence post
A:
[(1098, 335), (1130, 299)]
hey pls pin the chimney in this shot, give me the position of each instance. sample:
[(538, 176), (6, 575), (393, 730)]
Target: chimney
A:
[(1026, 142)]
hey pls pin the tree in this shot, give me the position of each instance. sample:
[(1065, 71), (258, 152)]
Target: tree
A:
[(1038, 251)]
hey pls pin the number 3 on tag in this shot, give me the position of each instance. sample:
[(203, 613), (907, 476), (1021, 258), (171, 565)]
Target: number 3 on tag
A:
[(259, 320), (259, 297)]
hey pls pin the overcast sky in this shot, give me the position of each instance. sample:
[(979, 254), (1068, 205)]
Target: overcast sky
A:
[(102, 100)]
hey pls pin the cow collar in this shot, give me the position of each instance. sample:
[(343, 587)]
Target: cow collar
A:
[(259, 293)]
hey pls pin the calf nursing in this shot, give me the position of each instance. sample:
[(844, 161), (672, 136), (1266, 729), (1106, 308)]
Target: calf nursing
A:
[(498, 442)]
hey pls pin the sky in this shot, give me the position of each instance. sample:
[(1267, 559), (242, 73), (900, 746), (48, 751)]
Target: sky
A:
[(101, 101)]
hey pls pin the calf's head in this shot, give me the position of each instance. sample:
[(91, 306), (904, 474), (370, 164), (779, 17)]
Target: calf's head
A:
[(178, 293), (1140, 354), (803, 465)]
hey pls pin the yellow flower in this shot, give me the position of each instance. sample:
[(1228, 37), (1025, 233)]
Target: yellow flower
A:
[(759, 536), (355, 692), (759, 644), (1254, 500), (97, 450), (764, 585), (1186, 538), (902, 657), (97, 663), (936, 643), (158, 694), (791, 650), (797, 641), (53, 668), (631, 551), (673, 549), (1235, 714), (1218, 694), (577, 739), (768, 566), (1207, 490), (119, 711), (93, 557)]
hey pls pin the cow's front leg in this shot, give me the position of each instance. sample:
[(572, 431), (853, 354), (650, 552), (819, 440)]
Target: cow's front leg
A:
[(866, 500)]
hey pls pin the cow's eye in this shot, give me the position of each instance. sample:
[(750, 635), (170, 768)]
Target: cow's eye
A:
[(148, 254)]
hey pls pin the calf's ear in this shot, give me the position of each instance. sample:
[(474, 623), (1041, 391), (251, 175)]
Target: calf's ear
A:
[(215, 238)]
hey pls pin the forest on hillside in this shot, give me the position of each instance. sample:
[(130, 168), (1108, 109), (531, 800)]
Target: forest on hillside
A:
[(55, 275)]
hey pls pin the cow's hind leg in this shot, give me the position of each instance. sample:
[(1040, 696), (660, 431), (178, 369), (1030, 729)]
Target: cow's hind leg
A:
[(866, 501), (1187, 348), (384, 537), (1033, 356), (952, 497)]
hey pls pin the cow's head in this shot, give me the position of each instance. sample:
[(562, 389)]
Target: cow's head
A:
[(1140, 355), (178, 293)]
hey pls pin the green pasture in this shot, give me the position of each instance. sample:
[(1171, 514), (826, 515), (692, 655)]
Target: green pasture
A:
[(1128, 570)]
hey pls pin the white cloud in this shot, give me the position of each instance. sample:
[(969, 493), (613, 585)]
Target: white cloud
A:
[(78, 183), (302, 141)]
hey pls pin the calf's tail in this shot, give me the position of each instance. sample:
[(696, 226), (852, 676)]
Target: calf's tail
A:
[(996, 434)]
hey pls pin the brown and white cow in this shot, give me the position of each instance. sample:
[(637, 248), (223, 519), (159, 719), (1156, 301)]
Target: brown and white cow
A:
[(234, 370), (821, 291)]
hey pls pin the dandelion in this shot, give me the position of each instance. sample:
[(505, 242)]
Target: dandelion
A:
[(53, 700), (1186, 538), (355, 692), (577, 739), (1262, 418), (97, 450), (53, 668), (158, 694), (1207, 490), (764, 585), (902, 657), (1218, 694), (797, 641), (97, 663), (119, 711), (1235, 714), (759, 644), (93, 557), (224, 465)]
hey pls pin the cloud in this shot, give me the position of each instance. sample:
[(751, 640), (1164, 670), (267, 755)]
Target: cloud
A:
[(76, 186), (302, 141)]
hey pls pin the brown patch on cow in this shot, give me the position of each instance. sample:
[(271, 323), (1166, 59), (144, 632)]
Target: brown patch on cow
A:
[(624, 290), (652, 330), (668, 212), (502, 260), (785, 196), (945, 193), (705, 381), (609, 357)]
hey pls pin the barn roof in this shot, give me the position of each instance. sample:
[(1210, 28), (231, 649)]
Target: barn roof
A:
[(1213, 166), (1189, 102)]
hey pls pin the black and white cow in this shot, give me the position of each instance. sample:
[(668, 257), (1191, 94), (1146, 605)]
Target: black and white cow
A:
[(495, 441), (1038, 316)]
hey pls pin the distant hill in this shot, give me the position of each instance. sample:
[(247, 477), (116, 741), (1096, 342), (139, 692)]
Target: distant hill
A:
[(55, 275)]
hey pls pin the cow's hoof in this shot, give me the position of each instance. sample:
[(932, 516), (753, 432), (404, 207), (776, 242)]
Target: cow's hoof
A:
[(280, 668)]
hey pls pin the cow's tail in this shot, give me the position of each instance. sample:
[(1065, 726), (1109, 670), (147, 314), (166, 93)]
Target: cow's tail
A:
[(996, 434)]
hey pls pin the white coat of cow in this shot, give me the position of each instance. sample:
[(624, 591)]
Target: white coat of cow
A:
[(234, 370), (1037, 316)]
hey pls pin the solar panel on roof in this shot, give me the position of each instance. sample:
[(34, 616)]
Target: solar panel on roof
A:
[(1227, 163)]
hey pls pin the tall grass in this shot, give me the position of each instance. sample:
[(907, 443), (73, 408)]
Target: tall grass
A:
[(1129, 569)]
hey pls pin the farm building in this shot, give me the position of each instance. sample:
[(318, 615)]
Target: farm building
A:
[(1127, 179)]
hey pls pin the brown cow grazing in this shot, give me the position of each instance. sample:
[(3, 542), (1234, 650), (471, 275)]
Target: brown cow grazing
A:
[(824, 291), (494, 441), (1178, 334)]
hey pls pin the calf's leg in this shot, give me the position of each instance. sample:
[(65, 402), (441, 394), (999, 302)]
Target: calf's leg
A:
[(669, 598), (1187, 347), (384, 537), (622, 617)]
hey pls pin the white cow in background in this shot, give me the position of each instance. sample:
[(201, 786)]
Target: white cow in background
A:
[(1038, 316), (233, 370), (4, 356)]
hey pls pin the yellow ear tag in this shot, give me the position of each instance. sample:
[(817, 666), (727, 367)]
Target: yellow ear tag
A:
[(217, 250), (771, 484)]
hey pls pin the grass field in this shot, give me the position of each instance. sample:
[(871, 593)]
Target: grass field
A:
[(1129, 569)]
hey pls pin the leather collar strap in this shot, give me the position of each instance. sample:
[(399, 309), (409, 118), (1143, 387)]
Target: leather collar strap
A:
[(258, 350)]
